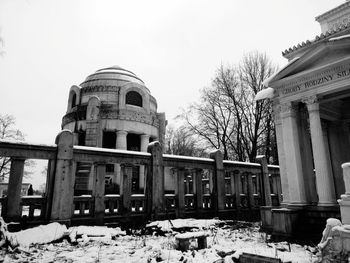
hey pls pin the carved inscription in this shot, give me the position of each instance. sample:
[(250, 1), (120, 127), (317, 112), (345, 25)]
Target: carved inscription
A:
[(100, 88), (316, 82)]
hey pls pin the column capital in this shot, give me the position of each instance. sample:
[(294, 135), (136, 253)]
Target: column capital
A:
[(146, 136), (288, 109), (276, 113), (122, 132), (312, 103)]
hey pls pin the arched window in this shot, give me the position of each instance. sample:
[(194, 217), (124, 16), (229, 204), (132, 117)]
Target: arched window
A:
[(74, 100), (133, 98)]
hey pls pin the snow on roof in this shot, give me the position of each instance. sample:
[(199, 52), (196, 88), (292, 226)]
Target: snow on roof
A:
[(267, 81), (264, 94), (26, 143), (339, 38)]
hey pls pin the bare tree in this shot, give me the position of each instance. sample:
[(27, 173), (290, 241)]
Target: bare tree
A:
[(181, 141), (227, 116), (9, 133), (257, 116)]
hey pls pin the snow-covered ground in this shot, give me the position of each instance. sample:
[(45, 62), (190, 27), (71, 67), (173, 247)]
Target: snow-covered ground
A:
[(226, 241)]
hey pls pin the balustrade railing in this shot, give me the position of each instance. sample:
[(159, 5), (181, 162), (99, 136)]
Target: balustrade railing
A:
[(112, 183)]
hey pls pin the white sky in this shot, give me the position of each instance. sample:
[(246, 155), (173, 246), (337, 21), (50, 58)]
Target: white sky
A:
[(173, 46)]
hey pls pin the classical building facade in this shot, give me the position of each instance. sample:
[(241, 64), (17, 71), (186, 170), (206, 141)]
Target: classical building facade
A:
[(114, 109), (311, 97)]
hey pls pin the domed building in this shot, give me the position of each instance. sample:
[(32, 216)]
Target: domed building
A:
[(114, 109)]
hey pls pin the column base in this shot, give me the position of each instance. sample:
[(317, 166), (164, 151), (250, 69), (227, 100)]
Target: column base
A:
[(327, 203), (266, 218), (297, 205)]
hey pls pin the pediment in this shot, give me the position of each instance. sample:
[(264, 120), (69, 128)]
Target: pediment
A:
[(318, 58)]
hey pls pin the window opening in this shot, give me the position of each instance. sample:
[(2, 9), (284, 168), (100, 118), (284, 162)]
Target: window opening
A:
[(133, 142), (134, 98), (74, 100), (109, 140)]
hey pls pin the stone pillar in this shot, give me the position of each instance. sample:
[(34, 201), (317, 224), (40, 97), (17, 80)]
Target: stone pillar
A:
[(199, 190), (144, 142), (306, 157), (155, 181), (121, 144), (237, 183), (265, 179), (126, 177), (180, 192), (63, 191), (293, 162), (219, 181), (281, 155), (144, 145), (14, 211), (121, 140), (99, 193), (323, 168)]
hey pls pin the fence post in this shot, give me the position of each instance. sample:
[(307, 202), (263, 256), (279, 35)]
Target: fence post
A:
[(99, 193), (250, 191), (50, 177), (14, 211), (265, 179), (126, 170), (63, 190), (155, 180), (219, 181), (180, 192), (199, 191)]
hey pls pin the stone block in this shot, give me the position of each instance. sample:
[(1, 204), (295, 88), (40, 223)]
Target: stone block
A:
[(284, 221), (266, 217)]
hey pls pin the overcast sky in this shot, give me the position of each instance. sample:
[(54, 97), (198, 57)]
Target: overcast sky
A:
[(173, 46)]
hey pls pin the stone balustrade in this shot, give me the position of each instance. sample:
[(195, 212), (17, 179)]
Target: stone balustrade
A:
[(202, 187)]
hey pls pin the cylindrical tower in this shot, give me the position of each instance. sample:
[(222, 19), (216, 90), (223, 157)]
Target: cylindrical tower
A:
[(114, 109)]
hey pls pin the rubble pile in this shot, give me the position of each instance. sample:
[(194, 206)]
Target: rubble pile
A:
[(156, 243)]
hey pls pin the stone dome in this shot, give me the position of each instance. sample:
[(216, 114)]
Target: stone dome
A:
[(114, 75)]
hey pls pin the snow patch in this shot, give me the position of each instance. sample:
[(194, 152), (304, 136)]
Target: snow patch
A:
[(267, 93), (339, 38)]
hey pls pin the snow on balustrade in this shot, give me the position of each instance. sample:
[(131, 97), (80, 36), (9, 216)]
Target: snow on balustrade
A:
[(181, 186)]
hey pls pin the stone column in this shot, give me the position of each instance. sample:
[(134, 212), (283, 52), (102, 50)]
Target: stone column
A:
[(155, 181), (180, 192), (219, 181), (63, 191), (14, 211), (99, 192), (281, 154), (144, 145), (265, 179), (291, 149), (323, 168), (121, 140), (144, 142), (121, 144), (199, 190), (126, 186)]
